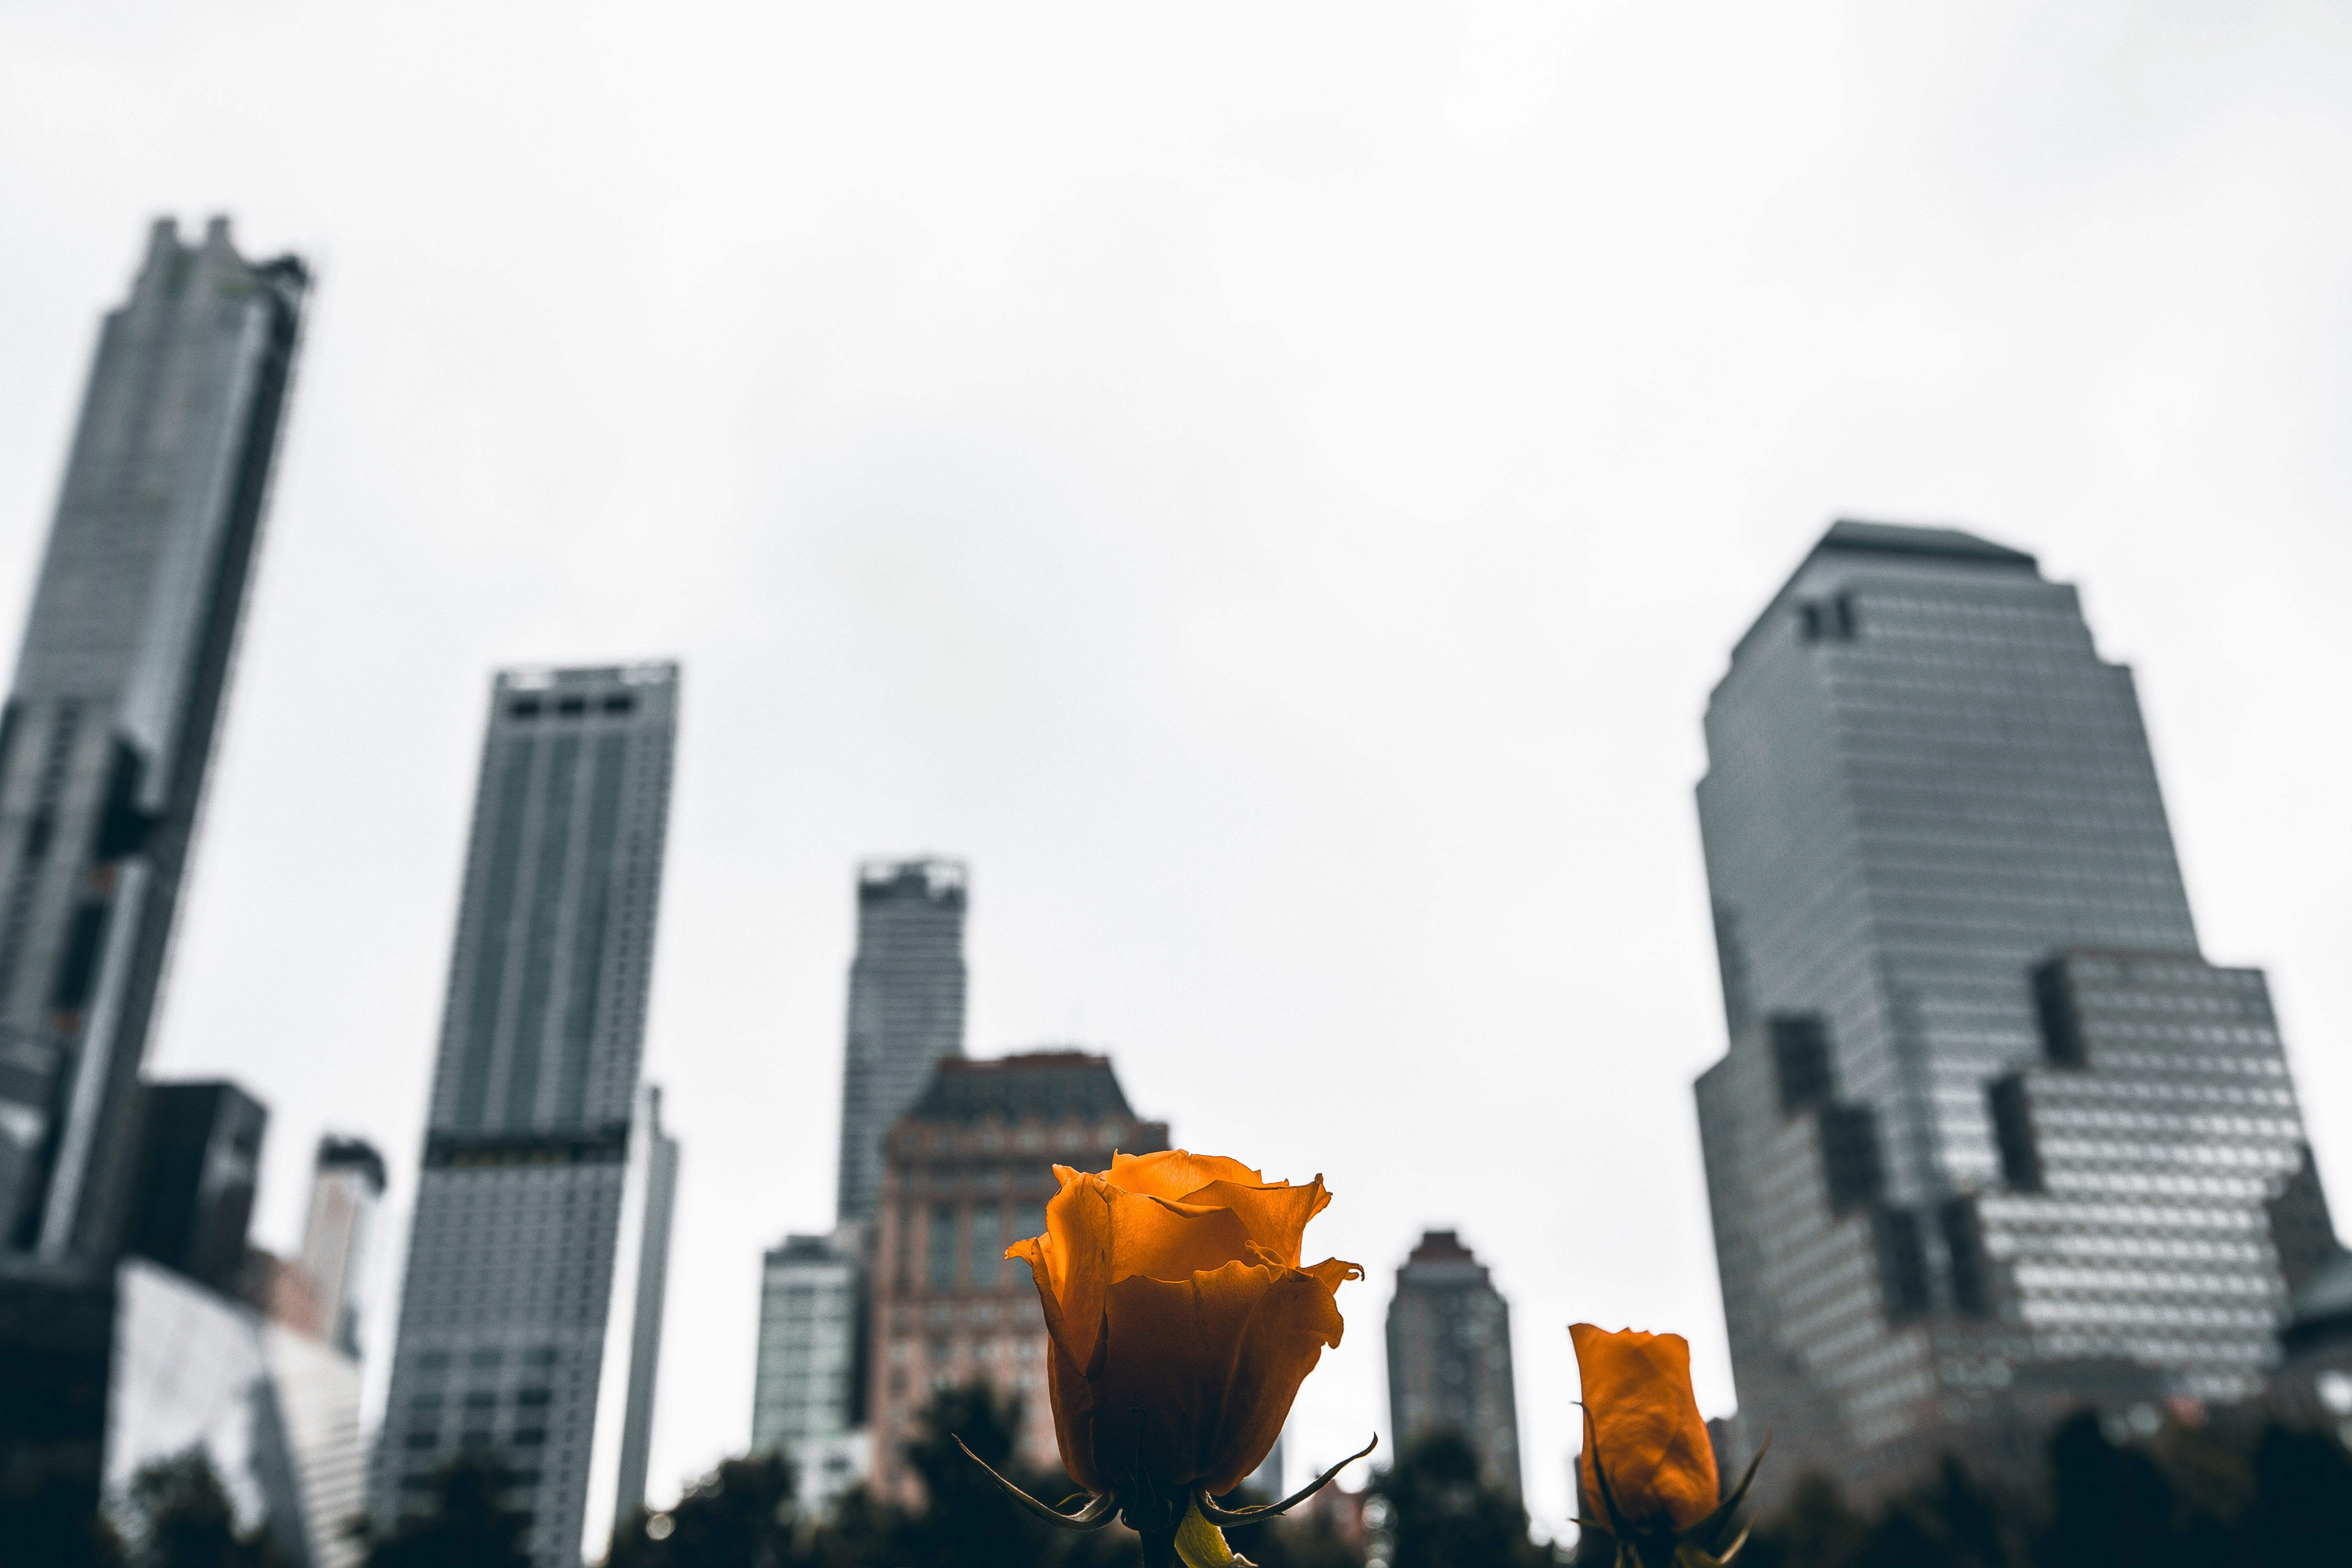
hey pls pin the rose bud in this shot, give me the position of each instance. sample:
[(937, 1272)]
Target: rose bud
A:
[(1182, 1325), (1648, 1465)]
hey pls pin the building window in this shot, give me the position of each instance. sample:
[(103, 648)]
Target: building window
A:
[(1850, 1157), (1826, 620), (2061, 1026), (1801, 1060), (987, 1244), (1972, 1267), (1028, 1220), (2013, 1131), (943, 1247), (1902, 1263)]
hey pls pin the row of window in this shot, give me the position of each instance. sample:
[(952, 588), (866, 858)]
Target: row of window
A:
[(490, 1356), (570, 706), (480, 1399), (967, 1246), (522, 1438), (1029, 1137)]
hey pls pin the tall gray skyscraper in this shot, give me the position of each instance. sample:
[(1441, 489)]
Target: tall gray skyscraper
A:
[(1991, 1137), (1449, 1356), (905, 1009), (543, 1194), (108, 732)]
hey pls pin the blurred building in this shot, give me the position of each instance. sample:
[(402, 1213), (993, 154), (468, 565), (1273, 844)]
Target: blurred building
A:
[(541, 1204), (198, 1165), (319, 1291), (906, 1014), (808, 1397), (1450, 1357), (2313, 1383), (104, 1370), (108, 730), (1991, 1139), (969, 1171), (906, 1009), (645, 1323)]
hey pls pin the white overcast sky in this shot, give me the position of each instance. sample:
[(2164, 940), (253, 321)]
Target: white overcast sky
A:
[(1272, 485)]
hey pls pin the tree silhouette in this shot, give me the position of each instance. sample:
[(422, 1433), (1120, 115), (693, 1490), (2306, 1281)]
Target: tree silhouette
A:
[(467, 1525), (1441, 1514)]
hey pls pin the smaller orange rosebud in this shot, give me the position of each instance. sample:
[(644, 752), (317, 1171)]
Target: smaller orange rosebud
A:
[(1643, 1430)]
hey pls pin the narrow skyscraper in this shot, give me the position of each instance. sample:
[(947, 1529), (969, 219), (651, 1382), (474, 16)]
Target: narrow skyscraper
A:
[(1450, 1357), (108, 732), (542, 1200), (905, 1009), (906, 1014), (1991, 1140)]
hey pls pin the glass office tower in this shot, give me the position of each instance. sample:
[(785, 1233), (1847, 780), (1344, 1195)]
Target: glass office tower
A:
[(1991, 1139), (542, 1202), (108, 732), (905, 1009)]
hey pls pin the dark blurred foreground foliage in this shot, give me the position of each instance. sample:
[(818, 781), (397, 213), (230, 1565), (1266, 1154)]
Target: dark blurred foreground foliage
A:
[(468, 1524), (182, 1517), (1434, 1512), (743, 1515), (2187, 1498), (174, 1514)]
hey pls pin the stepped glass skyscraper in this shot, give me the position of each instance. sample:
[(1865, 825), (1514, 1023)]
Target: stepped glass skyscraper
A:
[(542, 1202), (108, 730), (1992, 1139), (905, 1009)]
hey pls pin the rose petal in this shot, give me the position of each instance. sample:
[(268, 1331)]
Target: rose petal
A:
[(1198, 1376), (1645, 1427), (1277, 1216), (1172, 1172), (1096, 1235)]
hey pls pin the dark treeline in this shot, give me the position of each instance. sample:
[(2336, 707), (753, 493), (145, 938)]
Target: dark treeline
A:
[(1430, 1513), (2186, 1498)]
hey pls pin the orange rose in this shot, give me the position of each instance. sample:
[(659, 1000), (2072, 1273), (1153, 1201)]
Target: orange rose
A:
[(1643, 1430), (1181, 1321)]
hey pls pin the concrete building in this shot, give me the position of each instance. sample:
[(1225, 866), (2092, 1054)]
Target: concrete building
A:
[(542, 1194), (969, 1168), (1449, 1335), (808, 1397), (108, 730), (319, 1290), (1991, 1137), (905, 1009), (645, 1326)]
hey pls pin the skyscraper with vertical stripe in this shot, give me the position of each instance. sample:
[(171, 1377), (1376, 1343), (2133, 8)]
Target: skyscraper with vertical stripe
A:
[(108, 730), (541, 1205)]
